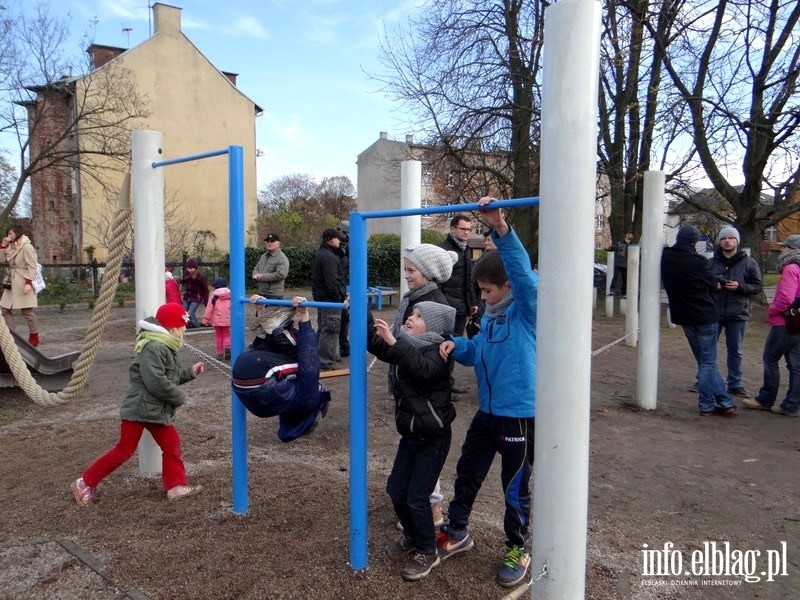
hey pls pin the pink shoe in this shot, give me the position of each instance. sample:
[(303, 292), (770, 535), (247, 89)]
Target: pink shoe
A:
[(84, 495), (183, 491)]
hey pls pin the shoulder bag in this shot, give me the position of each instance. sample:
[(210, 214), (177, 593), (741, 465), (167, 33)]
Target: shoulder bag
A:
[(792, 316)]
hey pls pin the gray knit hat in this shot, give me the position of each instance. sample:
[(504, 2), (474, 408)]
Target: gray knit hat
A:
[(439, 318), (730, 232), (793, 242), (435, 263)]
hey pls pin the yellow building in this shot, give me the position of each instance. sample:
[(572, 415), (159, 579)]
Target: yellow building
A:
[(180, 93)]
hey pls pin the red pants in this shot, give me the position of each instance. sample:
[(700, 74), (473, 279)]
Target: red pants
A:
[(166, 436), (223, 337)]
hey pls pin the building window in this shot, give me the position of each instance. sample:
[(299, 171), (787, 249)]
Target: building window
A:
[(770, 234), (427, 177), (451, 179), (52, 205), (599, 221)]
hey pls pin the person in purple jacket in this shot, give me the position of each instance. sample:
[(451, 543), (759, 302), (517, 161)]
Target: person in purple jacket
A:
[(780, 343)]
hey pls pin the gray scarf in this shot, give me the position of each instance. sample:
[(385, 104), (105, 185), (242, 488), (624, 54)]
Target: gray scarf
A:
[(459, 243), (787, 258), (495, 310), (408, 297)]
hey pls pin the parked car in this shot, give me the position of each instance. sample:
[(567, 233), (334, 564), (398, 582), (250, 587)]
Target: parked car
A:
[(600, 272)]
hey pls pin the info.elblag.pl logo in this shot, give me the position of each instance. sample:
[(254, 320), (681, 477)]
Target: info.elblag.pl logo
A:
[(714, 563)]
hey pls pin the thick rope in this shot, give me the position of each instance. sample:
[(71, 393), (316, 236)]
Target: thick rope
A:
[(94, 333)]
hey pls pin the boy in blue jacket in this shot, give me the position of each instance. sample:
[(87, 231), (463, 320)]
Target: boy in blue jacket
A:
[(504, 357)]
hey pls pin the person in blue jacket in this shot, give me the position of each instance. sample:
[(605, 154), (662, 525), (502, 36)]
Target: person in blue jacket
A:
[(273, 383), (503, 354)]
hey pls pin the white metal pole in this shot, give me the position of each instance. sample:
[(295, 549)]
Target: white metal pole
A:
[(563, 387), (632, 297), (609, 278), (148, 249), (410, 197), (650, 312)]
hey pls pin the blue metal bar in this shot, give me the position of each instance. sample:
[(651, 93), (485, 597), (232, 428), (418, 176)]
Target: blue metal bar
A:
[(433, 210), (275, 302), (238, 412), (358, 393), (191, 157)]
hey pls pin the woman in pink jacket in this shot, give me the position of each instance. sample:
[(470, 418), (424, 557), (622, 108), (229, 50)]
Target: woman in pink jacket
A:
[(218, 314), (780, 343)]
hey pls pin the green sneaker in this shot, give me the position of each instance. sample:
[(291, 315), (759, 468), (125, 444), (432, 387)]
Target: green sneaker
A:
[(515, 566)]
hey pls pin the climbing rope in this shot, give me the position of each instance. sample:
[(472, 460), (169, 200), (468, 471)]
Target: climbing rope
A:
[(94, 333)]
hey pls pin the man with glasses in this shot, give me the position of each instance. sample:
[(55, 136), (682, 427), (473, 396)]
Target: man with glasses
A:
[(458, 290)]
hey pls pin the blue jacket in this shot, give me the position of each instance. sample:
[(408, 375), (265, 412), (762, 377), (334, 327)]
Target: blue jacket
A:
[(504, 352)]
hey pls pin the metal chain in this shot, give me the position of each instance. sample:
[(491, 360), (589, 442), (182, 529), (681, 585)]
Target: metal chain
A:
[(220, 366), (612, 344)]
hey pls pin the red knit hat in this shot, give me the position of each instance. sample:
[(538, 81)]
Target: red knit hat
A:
[(172, 316)]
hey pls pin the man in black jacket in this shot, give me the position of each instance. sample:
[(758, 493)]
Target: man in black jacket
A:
[(459, 290), (690, 288), (327, 285), (740, 279)]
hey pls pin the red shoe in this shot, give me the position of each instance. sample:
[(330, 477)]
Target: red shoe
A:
[(33, 339)]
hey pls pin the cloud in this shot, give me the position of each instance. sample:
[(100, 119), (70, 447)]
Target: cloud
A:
[(250, 26)]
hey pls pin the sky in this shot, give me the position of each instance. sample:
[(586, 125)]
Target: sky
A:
[(302, 61)]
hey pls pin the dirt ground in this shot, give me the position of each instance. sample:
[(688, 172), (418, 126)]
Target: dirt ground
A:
[(667, 476)]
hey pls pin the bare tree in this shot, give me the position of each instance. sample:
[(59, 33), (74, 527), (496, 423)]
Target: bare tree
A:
[(735, 67), (64, 115), (337, 196), (285, 190), (469, 73)]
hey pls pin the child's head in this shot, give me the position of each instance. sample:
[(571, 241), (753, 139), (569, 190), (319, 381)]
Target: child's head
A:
[(191, 266), (488, 240), (427, 262), (430, 317), (219, 282), (174, 318), (490, 275)]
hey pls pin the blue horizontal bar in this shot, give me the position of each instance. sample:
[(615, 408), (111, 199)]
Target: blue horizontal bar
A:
[(433, 210), (191, 157), (276, 302)]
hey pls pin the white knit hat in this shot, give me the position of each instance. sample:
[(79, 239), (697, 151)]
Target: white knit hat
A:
[(439, 318), (435, 263)]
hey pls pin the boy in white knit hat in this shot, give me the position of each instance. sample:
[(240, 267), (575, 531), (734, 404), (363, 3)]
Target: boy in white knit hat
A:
[(739, 279), (419, 379)]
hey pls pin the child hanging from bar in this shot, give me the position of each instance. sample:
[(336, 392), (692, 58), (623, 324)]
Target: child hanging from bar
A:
[(283, 380)]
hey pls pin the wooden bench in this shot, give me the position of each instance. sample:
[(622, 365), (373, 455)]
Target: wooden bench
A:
[(379, 293)]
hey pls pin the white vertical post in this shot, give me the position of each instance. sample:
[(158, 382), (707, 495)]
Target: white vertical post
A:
[(410, 197), (148, 249), (563, 387), (609, 279), (652, 244), (632, 297)]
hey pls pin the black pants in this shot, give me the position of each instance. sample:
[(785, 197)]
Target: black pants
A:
[(512, 438), (417, 466), (344, 330), (620, 274)]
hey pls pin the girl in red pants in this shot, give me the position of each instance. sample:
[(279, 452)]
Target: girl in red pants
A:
[(153, 395)]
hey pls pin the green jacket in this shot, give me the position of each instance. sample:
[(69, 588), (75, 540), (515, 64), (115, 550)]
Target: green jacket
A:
[(153, 393)]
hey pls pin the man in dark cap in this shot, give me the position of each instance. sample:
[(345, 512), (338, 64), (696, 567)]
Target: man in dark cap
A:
[(328, 285), (690, 287), (272, 269), (343, 229)]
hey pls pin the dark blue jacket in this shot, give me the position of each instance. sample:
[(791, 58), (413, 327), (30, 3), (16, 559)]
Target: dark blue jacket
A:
[(690, 286), (735, 305)]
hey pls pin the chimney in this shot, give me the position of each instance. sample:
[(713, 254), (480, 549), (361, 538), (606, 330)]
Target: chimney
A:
[(231, 76), (383, 135), (100, 55), (409, 139), (167, 18)]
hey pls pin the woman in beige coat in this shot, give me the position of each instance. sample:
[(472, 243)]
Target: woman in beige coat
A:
[(17, 249)]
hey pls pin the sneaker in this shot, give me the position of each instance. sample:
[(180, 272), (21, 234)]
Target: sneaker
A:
[(227, 353), (399, 548), (515, 566), (219, 356), (754, 404), (448, 544), (183, 491), (436, 512), (779, 411), (725, 411), (739, 391), (419, 565), (84, 495)]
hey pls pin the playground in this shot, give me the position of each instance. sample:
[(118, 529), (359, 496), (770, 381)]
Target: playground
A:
[(656, 477)]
